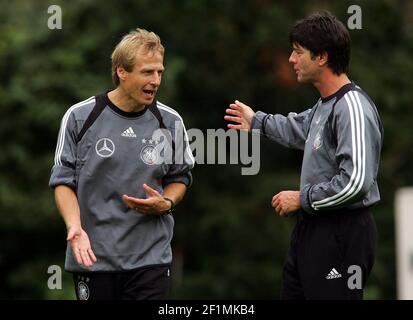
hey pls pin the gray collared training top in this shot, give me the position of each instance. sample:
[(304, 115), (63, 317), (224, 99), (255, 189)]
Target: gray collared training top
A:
[(342, 138), (116, 156)]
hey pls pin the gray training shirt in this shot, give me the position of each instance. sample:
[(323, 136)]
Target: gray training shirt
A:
[(342, 145), (116, 156)]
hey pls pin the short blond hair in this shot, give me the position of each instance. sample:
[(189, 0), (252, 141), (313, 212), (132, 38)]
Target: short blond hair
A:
[(125, 51)]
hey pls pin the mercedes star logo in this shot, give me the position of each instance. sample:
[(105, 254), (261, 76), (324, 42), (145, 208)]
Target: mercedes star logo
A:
[(105, 147)]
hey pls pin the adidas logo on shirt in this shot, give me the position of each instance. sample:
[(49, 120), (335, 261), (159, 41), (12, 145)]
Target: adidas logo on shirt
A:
[(333, 274), (129, 133)]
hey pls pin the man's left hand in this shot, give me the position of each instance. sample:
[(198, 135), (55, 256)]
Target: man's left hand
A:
[(153, 204), (286, 202)]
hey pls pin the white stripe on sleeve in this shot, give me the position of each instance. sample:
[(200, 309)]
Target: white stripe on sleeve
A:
[(188, 149), (62, 132)]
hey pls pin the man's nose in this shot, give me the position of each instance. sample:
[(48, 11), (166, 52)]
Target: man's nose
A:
[(292, 58), (156, 79)]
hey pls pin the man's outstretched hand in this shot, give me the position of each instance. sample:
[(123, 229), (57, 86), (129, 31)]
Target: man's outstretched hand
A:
[(153, 204), (241, 115)]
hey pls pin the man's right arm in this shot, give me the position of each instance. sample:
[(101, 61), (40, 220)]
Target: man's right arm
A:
[(290, 131), (63, 180), (68, 206)]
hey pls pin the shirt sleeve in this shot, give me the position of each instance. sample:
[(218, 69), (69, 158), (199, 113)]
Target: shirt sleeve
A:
[(290, 131), (64, 168), (357, 155), (183, 160)]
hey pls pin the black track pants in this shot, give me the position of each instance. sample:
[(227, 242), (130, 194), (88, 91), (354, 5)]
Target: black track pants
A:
[(331, 255), (147, 283)]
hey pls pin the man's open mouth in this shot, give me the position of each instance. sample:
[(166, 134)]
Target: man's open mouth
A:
[(149, 93)]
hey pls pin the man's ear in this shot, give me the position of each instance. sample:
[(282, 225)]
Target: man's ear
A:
[(323, 59), (121, 72)]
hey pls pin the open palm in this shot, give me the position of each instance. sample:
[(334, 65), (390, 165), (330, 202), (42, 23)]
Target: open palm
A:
[(79, 241), (241, 115)]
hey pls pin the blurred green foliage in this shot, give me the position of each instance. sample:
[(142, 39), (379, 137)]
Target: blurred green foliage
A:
[(228, 242)]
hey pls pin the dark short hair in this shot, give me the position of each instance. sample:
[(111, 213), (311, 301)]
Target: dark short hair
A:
[(323, 32)]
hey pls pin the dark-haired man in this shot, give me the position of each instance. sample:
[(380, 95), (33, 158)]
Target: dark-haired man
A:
[(333, 244)]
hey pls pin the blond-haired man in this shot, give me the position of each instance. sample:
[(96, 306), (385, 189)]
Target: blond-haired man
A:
[(112, 188)]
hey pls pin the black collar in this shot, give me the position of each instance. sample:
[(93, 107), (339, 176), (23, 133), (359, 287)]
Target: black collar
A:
[(346, 87), (119, 110)]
